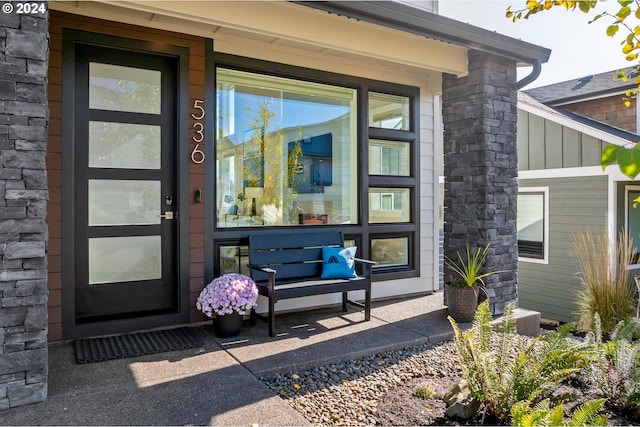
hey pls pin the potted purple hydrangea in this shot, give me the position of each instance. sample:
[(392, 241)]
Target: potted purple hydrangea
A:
[(226, 299)]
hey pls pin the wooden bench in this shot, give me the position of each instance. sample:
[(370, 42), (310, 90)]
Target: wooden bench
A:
[(287, 266)]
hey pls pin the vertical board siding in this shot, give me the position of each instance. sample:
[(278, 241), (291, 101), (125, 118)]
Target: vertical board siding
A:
[(523, 140), (537, 143), (544, 144), (571, 148), (574, 204), (553, 146)]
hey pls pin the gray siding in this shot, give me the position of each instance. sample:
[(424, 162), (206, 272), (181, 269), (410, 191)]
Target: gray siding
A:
[(543, 144), (574, 204)]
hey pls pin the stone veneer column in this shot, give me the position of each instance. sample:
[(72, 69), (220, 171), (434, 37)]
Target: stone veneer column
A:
[(24, 55), (480, 168)]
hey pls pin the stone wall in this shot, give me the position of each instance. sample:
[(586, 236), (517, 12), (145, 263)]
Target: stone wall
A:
[(480, 168), (24, 55)]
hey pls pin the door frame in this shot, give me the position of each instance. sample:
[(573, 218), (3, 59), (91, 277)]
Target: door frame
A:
[(70, 329)]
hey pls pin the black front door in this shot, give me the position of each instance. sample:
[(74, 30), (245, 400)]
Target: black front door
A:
[(125, 184)]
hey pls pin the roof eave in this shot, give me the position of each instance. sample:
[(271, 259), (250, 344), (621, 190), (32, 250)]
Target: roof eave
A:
[(421, 22)]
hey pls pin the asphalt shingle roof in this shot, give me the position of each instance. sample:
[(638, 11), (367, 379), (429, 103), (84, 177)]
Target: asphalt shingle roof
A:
[(583, 87)]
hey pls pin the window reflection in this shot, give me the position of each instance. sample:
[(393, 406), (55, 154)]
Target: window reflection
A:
[(392, 252), (286, 151), (389, 205), (388, 111), (388, 158)]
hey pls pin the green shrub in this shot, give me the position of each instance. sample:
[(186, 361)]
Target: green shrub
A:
[(588, 414), (510, 370), (617, 368), (607, 284)]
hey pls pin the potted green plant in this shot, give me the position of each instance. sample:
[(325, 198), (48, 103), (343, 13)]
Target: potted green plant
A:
[(462, 293), (227, 299)]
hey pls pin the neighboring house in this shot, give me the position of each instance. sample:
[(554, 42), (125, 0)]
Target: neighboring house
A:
[(563, 190), (598, 96), (151, 117)]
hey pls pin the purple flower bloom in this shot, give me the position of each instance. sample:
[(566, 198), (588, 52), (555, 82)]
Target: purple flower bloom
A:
[(228, 293)]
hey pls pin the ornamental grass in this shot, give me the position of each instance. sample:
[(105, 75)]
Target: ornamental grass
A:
[(607, 283)]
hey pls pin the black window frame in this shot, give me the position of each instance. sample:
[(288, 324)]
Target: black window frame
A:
[(361, 231)]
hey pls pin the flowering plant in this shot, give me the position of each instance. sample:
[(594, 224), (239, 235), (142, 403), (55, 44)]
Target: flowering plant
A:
[(226, 294)]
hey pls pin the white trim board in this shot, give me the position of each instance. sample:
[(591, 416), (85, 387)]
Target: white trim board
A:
[(612, 171)]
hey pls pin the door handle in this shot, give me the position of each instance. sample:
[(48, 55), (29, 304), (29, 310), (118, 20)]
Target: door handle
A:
[(167, 215)]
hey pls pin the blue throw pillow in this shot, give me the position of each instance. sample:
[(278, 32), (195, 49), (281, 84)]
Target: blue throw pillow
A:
[(338, 263)]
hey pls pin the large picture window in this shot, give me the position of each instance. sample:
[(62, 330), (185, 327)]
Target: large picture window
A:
[(533, 215), (300, 148), (286, 152)]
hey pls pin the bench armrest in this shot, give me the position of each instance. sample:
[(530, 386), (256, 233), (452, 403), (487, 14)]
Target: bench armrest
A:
[(271, 281), (367, 266), (261, 268)]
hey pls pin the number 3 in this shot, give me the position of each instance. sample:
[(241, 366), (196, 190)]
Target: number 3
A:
[(199, 128)]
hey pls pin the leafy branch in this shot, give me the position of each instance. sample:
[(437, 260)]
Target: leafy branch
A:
[(626, 18)]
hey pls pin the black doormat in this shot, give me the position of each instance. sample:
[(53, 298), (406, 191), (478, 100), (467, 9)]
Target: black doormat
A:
[(136, 344)]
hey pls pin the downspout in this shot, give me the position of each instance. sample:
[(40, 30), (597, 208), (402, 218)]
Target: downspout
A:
[(535, 73)]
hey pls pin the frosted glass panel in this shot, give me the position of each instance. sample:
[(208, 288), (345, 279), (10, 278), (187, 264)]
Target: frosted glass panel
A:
[(120, 202), (124, 259), (117, 88), (124, 145)]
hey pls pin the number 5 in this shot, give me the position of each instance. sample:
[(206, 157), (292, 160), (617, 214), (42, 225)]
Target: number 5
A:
[(197, 104)]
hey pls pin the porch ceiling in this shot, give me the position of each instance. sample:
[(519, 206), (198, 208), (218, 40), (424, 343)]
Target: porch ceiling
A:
[(279, 24)]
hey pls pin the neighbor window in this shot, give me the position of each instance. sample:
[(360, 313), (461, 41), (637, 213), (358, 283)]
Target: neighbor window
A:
[(286, 151), (633, 218), (532, 223)]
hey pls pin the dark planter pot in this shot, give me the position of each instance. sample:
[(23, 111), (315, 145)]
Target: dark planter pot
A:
[(227, 326), (462, 302)]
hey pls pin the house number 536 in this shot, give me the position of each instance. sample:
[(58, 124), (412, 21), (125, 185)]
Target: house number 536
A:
[(197, 155)]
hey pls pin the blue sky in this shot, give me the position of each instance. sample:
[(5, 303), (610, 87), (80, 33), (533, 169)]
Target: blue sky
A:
[(578, 48)]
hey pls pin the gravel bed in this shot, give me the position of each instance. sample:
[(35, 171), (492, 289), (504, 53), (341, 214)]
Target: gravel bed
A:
[(348, 393)]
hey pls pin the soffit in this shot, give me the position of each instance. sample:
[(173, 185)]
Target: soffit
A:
[(281, 25)]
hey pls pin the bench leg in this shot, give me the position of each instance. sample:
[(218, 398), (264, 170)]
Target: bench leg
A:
[(344, 301), (272, 318), (367, 304)]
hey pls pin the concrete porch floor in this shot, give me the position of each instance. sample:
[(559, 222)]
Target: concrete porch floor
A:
[(218, 383)]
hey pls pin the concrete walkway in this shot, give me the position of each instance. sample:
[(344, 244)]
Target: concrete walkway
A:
[(219, 384)]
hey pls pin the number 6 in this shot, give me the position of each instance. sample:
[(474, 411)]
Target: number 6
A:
[(197, 153)]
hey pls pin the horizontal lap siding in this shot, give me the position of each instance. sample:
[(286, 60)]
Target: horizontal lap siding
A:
[(577, 203)]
